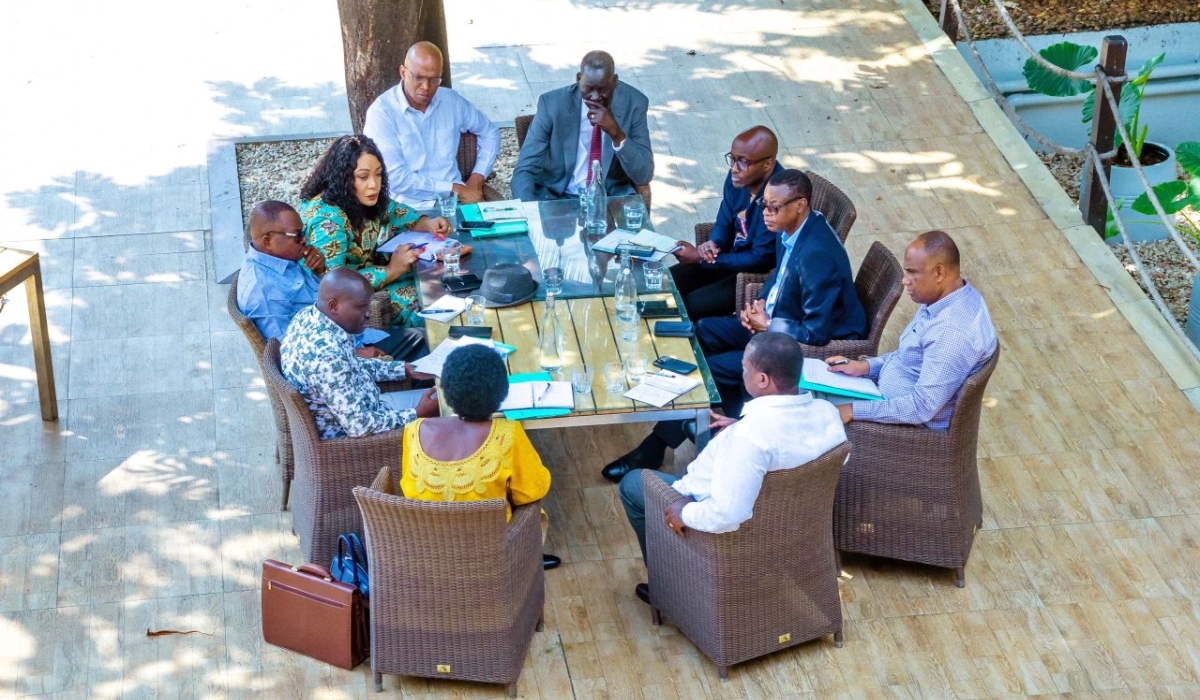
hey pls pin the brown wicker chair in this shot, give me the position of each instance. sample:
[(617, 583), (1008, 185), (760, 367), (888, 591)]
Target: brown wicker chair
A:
[(770, 585), (878, 287), (468, 153), (522, 125), (326, 470), (283, 436), (827, 198), (912, 493), (455, 591)]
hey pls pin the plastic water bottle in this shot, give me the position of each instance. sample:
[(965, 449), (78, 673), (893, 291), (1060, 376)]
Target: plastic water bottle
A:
[(597, 202), (625, 290), (550, 350)]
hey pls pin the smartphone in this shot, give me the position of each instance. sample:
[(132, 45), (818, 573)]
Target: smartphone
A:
[(674, 364), (456, 284), (476, 224), (637, 251), (473, 331), (657, 309)]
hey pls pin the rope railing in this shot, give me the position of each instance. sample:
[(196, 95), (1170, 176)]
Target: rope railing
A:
[(1057, 70)]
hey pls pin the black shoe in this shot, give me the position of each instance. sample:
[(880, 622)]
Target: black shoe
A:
[(616, 470), (549, 561), (642, 591), (689, 429)]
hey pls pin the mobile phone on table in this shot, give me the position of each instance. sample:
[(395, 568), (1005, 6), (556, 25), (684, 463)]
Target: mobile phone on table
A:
[(472, 331), (456, 284), (476, 224), (656, 309), (674, 364), (637, 251)]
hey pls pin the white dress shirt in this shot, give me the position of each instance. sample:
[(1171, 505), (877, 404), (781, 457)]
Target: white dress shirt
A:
[(420, 149), (584, 149), (780, 431)]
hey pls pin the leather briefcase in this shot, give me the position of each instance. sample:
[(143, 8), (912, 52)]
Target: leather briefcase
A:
[(306, 611)]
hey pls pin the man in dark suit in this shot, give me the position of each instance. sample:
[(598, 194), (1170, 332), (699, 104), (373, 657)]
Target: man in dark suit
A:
[(596, 116), (810, 297)]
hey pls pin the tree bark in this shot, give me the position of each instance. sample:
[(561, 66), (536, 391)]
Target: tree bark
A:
[(375, 36)]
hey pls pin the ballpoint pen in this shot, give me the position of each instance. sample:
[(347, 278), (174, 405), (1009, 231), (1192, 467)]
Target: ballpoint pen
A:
[(542, 395), (839, 362)]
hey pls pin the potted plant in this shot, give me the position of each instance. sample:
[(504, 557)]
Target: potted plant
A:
[(1156, 159)]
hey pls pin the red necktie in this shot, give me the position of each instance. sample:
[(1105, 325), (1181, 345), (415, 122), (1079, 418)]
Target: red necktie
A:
[(593, 152)]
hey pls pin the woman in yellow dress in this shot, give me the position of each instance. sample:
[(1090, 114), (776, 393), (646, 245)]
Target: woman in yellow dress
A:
[(470, 456)]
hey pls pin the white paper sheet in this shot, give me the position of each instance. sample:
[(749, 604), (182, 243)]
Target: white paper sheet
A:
[(444, 309), (661, 388), (524, 395)]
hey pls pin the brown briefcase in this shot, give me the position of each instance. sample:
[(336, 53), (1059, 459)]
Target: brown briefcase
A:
[(306, 611)]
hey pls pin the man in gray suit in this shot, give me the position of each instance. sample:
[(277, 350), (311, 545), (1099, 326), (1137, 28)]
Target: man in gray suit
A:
[(597, 115)]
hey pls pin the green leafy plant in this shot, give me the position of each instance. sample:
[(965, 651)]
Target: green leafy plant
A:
[(1177, 195)]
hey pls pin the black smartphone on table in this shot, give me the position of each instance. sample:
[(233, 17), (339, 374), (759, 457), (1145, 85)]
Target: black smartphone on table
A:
[(656, 309), (472, 331), (674, 364), (457, 284), (476, 224)]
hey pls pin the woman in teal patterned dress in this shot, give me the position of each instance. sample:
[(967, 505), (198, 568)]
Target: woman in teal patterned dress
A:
[(347, 214)]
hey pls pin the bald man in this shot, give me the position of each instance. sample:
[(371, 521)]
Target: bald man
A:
[(949, 339), (317, 357), (597, 109), (706, 275), (417, 126)]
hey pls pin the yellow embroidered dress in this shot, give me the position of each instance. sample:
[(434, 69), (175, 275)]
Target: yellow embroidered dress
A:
[(505, 466), (327, 228)]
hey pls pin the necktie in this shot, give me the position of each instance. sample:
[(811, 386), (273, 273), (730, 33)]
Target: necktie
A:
[(593, 152)]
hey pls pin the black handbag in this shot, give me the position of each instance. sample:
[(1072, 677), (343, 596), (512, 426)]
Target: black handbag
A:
[(349, 565)]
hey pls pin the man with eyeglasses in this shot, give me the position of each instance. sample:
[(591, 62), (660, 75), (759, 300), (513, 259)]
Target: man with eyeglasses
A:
[(417, 127), (596, 118), (278, 278), (706, 275), (811, 297)]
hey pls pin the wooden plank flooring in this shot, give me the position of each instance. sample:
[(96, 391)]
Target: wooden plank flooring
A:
[(153, 501)]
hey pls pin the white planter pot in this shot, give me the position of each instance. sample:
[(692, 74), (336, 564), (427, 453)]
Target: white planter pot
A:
[(1127, 186)]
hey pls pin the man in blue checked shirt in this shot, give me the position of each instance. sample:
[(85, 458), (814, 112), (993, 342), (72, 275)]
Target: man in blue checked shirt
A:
[(949, 339)]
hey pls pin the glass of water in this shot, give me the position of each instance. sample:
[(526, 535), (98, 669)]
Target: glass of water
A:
[(475, 312), (653, 273), (448, 203), (553, 278), (635, 365), (634, 214), (614, 377), (629, 328), (581, 379), (451, 254)]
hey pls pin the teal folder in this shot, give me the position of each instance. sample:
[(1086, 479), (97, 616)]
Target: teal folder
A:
[(470, 212)]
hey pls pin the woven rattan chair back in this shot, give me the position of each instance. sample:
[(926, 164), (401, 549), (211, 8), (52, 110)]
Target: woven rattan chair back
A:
[(770, 585), (912, 493), (468, 153), (283, 436), (455, 591), (839, 211)]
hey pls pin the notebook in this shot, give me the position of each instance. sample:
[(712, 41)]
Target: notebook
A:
[(471, 212), (815, 376), (661, 388), (536, 381)]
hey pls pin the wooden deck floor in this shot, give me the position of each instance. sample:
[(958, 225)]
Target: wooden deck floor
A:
[(153, 502)]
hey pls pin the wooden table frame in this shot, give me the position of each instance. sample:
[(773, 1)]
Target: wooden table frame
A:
[(17, 266)]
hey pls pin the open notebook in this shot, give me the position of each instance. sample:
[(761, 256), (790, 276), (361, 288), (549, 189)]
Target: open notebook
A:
[(815, 376)]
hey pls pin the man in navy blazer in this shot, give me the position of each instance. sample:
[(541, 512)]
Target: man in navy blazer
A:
[(810, 297), (554, 160)]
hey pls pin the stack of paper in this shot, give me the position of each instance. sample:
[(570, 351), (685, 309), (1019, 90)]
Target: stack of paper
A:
[(433, 245), (444, 309), (509, 215), (661, 388), (432, 363), (645, 238), (536, 394), (815, 376)]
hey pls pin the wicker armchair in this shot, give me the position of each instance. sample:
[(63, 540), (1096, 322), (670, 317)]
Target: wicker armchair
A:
[(468, 153), (455, 591), (522, 125), (770, 585), (283, 436), (878, 287), (326, 470), (912, 493), (827, 198)]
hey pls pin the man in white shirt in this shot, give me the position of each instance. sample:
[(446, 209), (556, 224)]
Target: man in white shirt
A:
[(417, 127), (781, 428)]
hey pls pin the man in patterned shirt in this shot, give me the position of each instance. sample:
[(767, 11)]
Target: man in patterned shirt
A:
[(949, 339), (318, 358)]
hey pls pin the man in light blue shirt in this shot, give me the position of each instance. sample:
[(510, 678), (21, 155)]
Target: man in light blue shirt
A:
[(417, 127), (949, 339), (273, 285)]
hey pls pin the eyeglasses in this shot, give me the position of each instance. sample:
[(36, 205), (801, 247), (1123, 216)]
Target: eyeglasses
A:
[(742, 163), (294, 235), (773, 209), (427, 82)]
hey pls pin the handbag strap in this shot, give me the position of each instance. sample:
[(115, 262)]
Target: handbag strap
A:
[(358, 553)]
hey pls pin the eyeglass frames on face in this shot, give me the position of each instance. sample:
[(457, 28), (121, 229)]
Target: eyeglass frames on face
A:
[(773, 209), (294, 235), (742, 163), (427, 82)]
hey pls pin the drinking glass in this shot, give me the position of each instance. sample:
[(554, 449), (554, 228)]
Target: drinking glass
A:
[(634, 213), (475, 311), (635, 366), (581, 379), (451, 254), (614, 377), (629, 328), (653, 273), (553, 278), (448, 203)]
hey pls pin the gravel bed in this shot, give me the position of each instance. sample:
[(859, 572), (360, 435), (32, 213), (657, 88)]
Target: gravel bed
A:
[(1066, 16)]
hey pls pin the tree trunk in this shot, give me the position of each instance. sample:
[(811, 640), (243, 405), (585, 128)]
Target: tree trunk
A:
[(375, 36)]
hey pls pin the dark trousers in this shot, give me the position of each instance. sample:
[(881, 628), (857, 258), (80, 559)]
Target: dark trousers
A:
[(706, 292), (404, 344), (633, 498)]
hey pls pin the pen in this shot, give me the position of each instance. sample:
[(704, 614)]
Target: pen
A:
[(494, 209), (417, 246), (541, 396), (839, 362)]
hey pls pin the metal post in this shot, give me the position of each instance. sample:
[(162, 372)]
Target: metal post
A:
[(948, 21), (1092, 202)]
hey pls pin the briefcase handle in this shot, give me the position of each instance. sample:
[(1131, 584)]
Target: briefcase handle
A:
[(314, 570)]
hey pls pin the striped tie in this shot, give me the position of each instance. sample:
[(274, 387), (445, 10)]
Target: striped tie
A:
[(593, 152)]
